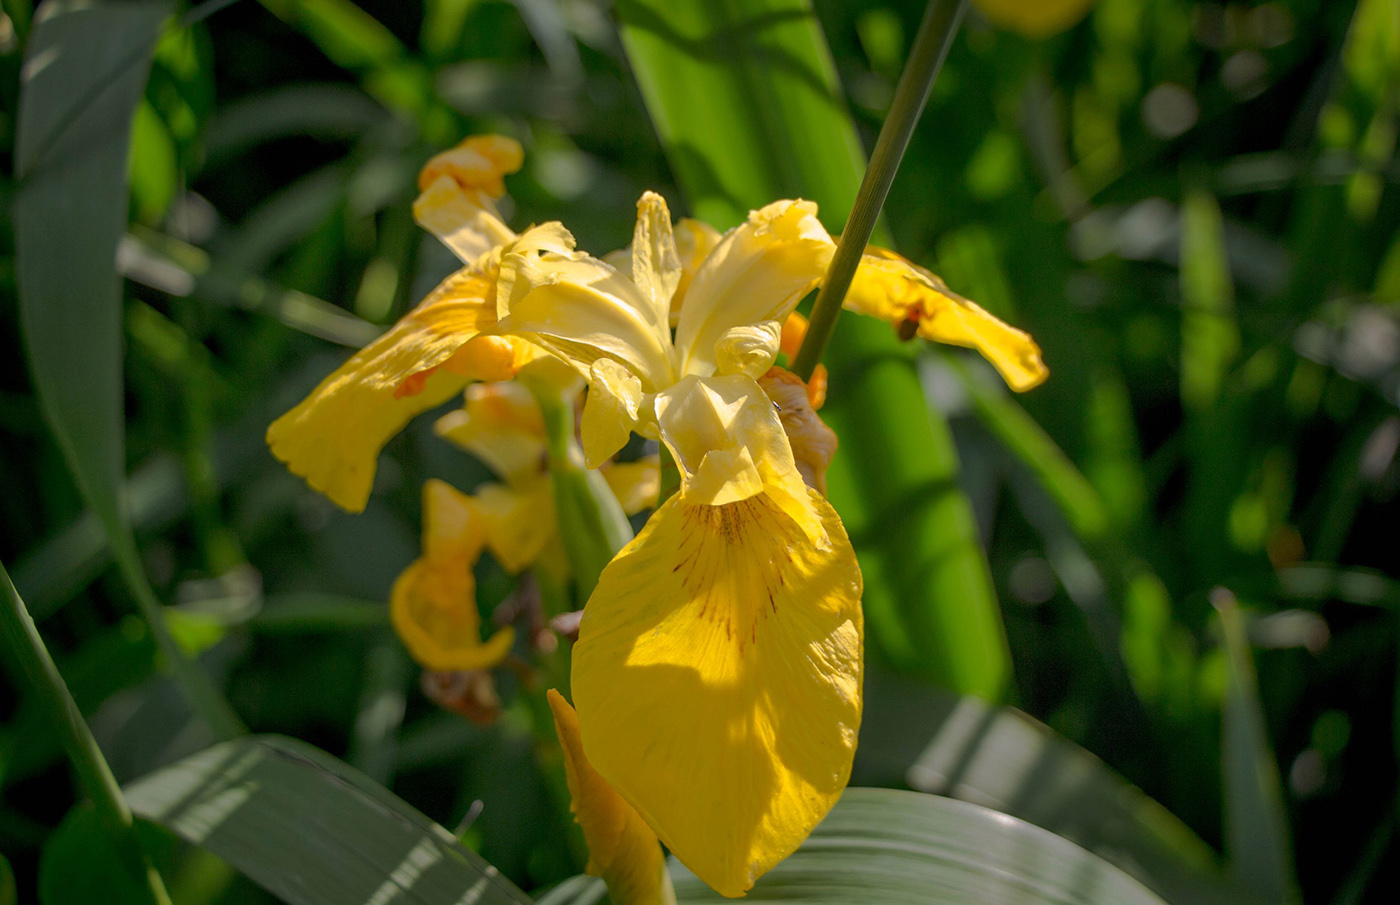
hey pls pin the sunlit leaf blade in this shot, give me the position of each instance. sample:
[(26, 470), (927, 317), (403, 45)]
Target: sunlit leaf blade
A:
[(312, 830), (886, 847), (1000, 758), (85, 69), (744, 97), (1256, 825)]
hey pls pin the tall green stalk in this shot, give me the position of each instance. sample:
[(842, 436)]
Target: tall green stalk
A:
[(26, 649), (936, 33)]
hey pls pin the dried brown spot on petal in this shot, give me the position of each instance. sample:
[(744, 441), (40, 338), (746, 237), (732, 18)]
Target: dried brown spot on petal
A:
[(813, 443)]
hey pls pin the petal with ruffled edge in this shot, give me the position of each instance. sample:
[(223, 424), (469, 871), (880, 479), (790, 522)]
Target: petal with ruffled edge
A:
[(729, 445), (433, 603), (333, 437), (622, 849), (520, 521), (757, 272), (583, 310), (457, 188), (718, 681), (610, 411), (897, 290), (500, 424)]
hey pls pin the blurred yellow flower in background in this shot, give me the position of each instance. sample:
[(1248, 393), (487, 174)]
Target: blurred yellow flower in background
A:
[(1034, 18)]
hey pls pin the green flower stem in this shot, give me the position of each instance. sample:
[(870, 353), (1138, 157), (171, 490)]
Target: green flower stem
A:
[(26, 649), (592, 524), (926, 57)]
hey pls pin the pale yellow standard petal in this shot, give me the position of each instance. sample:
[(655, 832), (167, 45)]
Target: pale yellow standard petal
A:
[(583, 310), (756, 273), (520, 521), (333, 437), (729, 445), (897, 290), (695, 239), (501, 425), (433, 603), (622, 849), (656, 265), (718, 681)]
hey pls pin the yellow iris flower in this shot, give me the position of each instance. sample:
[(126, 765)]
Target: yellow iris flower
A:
[(718, 669), (717, 674), (433, 603), (334, 436)]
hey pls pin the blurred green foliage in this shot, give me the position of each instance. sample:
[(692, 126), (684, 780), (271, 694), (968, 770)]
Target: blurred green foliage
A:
[(1190, 204)]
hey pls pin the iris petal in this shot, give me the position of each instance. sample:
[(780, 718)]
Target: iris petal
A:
[(622, 849), (333, 437), (757, 272), (895, 289), (718, 681)]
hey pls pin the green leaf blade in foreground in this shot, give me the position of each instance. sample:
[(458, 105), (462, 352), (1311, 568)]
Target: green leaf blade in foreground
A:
[(312, 830), (744, 97), (85, 70), (886, 847), (1000, 758)]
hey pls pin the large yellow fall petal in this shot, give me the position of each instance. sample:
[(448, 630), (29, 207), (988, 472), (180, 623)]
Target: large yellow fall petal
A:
[(756, 273), (718, 681), (622, 849), (333, 437), (729, 445), (502, 426), (897, 290), (433, 603)]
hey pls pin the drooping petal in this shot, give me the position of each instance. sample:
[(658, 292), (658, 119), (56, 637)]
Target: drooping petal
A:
[(813, 443), (520, 522), (610, 411), (756, 273), (583, 310), (457, 192), (718, 681), (622, 849), (433, 603), (897, 290), (501, 425), (333, 437), (729, 445), (636, 484)]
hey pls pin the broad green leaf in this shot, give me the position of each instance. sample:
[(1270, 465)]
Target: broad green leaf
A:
[(882, 846), (1002, 759), (312, 830), (79, 865), (1256, 823), (85, 70), (746, 102)]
